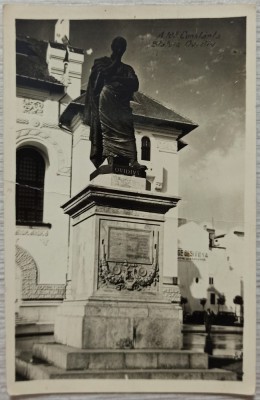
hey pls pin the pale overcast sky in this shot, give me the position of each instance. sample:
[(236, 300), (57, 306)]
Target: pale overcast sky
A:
[(204, 83)]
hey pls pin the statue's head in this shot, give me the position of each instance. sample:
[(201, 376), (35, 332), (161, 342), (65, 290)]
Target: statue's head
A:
[(118, 45)]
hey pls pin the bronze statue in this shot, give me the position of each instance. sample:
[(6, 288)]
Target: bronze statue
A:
[(107, 111)]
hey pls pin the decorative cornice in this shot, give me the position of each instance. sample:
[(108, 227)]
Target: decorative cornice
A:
[(157, 131), (32, 232), (94, 195), (160, 125), (75, 74)]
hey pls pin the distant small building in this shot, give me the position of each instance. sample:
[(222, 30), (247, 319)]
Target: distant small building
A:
[(210, 266)]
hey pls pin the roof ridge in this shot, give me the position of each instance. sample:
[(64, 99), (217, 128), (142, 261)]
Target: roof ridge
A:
[(21, 36), (53, 80)]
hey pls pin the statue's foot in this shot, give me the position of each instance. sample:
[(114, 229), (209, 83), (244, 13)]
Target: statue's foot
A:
[(135, 164)]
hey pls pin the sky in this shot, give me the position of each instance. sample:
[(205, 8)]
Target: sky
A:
[(197, 68)]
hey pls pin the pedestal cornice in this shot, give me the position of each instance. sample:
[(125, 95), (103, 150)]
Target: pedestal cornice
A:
[(94, 195)]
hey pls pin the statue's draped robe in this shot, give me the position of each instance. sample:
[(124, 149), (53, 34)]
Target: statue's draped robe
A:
[(108, 111)]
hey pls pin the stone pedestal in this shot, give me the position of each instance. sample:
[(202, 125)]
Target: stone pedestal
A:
[(120, 322), (117, 298), (119, 325)]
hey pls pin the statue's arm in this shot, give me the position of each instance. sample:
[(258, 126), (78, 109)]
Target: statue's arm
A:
[(130, 81), (98, 73), (101, 68)]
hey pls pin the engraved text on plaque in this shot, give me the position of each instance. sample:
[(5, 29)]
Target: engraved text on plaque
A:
[(133, 245)]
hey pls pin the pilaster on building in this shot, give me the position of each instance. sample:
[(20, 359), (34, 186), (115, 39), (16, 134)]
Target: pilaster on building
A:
[(65, 61)]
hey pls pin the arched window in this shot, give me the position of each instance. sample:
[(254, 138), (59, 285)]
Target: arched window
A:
[(146, 149), (30, 171)]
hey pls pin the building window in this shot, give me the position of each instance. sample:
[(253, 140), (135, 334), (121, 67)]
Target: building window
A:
[(146, 149), (30, 171), (197, 280), (175, 280), (212, 298), (211, 281)]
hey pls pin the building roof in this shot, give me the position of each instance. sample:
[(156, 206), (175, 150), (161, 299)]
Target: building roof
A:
[(148, 107), (31, 60), (145, 110), (31, 65)]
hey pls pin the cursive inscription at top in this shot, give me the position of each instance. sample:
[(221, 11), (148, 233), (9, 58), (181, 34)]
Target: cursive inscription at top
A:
[(186, 38)]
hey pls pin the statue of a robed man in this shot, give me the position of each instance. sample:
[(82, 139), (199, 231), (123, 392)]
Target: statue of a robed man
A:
[(107, 111)]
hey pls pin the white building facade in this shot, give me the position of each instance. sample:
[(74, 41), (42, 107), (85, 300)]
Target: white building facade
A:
[(210, 267), (43, 179)]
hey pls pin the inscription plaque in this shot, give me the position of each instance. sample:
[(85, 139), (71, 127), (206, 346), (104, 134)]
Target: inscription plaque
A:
[(118, 169), (133, 245)]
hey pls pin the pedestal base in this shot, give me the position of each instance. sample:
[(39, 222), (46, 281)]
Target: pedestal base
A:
[(55, 361), (119, 325), (117, 289)]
